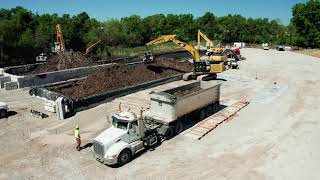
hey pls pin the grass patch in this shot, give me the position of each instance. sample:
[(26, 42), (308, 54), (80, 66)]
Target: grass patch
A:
[(310, 52), (137, 51)]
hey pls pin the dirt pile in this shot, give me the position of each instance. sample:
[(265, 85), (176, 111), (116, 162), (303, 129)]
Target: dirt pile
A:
[(63, 61), (120, 76), (182, 93)]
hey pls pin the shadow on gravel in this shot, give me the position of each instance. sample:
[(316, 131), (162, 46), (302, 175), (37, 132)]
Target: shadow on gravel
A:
[(10, 113), (88, 145)]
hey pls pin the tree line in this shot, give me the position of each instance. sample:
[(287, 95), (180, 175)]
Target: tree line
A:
[(23, 34)]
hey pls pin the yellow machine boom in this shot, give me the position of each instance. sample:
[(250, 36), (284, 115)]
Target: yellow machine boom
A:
[(172, 38), (209, 43), (89, 49), (200, 67), (60, 39)]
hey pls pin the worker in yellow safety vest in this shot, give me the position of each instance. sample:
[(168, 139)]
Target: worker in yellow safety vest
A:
[(77, 136)]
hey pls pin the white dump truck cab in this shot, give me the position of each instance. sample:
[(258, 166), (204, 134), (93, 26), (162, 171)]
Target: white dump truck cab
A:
[(117, 144), (3, 109)]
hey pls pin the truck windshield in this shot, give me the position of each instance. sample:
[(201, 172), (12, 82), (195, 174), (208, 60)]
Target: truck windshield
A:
[(119, 123)]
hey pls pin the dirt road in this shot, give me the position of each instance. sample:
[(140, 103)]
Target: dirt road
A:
[(275, 137)]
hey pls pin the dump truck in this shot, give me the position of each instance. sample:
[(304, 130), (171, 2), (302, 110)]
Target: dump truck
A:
[(169, 112)]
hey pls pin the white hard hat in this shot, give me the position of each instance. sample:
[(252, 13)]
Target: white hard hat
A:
[(77, 126)]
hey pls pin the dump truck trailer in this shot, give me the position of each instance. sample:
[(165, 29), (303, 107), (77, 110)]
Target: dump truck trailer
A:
[(169, 112)]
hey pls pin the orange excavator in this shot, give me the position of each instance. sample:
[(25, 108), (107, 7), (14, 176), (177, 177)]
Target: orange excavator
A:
[(59, 46)]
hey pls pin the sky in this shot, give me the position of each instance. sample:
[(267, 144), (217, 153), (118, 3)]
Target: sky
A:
[(107, 9)]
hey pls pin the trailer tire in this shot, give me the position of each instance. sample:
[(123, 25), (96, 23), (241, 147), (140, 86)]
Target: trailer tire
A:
[(170, 133), (202, 114), (124, 157), (179, 127), (3, 113), (209, 111)]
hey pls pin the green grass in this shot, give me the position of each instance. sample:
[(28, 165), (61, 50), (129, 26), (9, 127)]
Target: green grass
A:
[(137, 51), (310, 52)]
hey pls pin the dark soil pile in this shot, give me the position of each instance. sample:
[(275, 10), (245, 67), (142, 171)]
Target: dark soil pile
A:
[(63, 61), (120, 76), (186, 92)]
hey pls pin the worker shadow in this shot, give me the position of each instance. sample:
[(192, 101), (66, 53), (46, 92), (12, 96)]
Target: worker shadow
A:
[(88, 145)]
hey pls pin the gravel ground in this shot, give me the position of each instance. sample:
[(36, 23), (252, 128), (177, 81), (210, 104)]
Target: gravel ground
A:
[(275, 137)]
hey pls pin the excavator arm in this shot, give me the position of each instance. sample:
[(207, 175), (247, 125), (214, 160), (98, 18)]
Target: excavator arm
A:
[(60, 39), (89, 49), (173, 38), (209, 43)]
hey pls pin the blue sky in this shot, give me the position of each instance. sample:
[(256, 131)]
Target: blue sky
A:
[(106, 9)]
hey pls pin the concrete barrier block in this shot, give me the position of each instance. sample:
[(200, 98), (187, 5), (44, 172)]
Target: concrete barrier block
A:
[(3, 80), (10, 85)]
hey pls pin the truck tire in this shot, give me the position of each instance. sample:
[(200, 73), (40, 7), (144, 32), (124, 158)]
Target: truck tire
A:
[(170, 133), (202, 114), (179, 127), (3, 113), (124, 157), (209, 111)]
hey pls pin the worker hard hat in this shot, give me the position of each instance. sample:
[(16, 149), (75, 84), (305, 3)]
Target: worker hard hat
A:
[(77, 126)]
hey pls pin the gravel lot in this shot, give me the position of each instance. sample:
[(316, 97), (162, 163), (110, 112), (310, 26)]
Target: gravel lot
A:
[(275, 137)]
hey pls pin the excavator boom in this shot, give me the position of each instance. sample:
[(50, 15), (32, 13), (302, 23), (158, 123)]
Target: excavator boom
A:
[(89, 49), (60, 39), (209, 43), (184, 45)]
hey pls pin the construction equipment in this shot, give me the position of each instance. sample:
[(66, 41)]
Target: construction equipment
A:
[(59, 46), (167, 116), (42, 57), (200, 67), (209, 44), (148, 57), (89, 49), (217, 53)]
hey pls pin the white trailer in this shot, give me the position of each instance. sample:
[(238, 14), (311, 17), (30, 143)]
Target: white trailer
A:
[(168, 113), (239, 44)]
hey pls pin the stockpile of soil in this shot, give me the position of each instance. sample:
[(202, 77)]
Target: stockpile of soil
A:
[(120, 76), (181, 93), (63, 61)]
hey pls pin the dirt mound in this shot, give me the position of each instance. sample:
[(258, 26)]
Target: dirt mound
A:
[(120, 76), (63, 61)]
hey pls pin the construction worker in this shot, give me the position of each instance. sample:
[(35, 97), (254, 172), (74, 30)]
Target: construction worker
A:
[(77, 136)]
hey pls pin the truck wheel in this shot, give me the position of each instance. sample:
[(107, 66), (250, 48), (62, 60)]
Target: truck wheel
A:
[(3, 113), (209, 111), (124, 157), (178, 128), (170, 133), (202, 114)]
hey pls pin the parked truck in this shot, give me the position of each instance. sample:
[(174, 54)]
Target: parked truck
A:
[(169, 112)]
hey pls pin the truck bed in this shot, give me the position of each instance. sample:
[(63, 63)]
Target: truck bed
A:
[(171, 104)]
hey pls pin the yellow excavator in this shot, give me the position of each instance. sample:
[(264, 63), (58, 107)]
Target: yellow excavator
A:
[(89, 49), (200, 67), (213, 53), (209, 44), (59, 46)]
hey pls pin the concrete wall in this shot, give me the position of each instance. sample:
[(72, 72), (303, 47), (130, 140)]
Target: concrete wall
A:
[(4, 79), (51, 77)]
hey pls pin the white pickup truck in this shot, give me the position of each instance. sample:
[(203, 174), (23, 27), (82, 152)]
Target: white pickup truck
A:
[(3, 110), (170, 110)]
